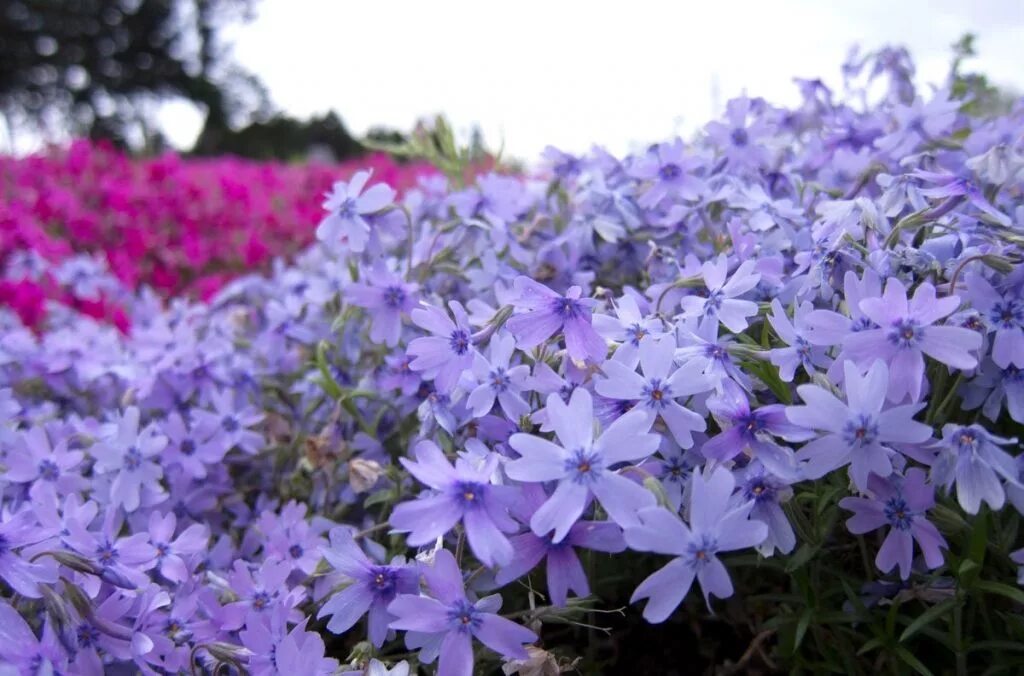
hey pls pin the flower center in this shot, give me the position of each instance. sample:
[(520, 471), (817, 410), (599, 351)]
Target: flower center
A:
[(860, 431), (658, 394), (347, 209), (393, 296), (469, 493), (898, 514), (459, 342), (566, 308), (463, 616), (132, 459), (584, 466), (702, 551), (670, 172), (48, 470), (499, 380), (740, 137), (905, 333)]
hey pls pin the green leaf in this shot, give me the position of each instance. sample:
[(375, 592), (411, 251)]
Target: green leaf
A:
[(908, 658), (801, 628), (927, 617), (804, 554), (327, 381), (1005, 590), (873, 644)]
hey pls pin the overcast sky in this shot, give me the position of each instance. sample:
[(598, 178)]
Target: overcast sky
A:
[(573, 73)]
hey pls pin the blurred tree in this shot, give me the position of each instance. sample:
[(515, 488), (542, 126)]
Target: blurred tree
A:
[(283, 138), (98, 67)]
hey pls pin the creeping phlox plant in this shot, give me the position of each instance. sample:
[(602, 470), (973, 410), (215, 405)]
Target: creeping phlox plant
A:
[(782, 364), (174, 224)]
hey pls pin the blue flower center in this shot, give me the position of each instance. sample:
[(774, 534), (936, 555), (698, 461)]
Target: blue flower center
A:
[(463, 616), (860, 431), (393, 296), (1008, 315), (657, 394), (739, 137), (229, 424), (295, 551), (132, 459), (566, 308), (347, 209), (584, 466), (898, 514), (106, 554), (188, 447), (759, 490), (87, 635), (636, 333), (459, 341), (905, 333), (383, 580), (701, 551), (470, 494), (48, 470), (750, 424), (670, 172), (260, 600), (499, 380)]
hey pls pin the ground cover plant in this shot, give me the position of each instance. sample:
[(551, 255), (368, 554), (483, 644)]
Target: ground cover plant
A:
[(745, 404)]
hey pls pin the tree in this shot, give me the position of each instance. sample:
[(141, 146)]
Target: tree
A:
[(98, 67)]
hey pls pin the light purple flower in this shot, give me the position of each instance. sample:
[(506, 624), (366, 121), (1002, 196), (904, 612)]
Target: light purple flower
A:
[(51, 469), (373, 587), (451, 620), (973, 460), (583, 465), (667, 171), (901, 504), (907, 332), (1004, 314), (174, 553), (544, 312), (564, 570), (461, 493), (722, 303), (498, 379), (628, 327), (443, 356), (191, 448), (754, 483), (23, 651), (24, 577), (130, 454), (347, 208), (714, 528), (859, 432), (658, 388), (229, 425), (801, 352), (386, 297)]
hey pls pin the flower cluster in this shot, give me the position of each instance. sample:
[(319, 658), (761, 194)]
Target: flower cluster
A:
[(465, 399), (171, 223)]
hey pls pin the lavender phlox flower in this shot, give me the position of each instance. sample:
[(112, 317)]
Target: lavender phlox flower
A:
[(131, 455), (173, 554), (907, 331), (745, 428), (545, 381), (666, 171), (497, 378), (659, 387), (564, 571), (582, 465), (801, 352), (741, 136), (24, 576), (918, 122), (373, 586), (444, 355), (900, 503), (764, 212), (51, 469), (627, 328), (673, 466), (858, 432), (973, 460), (826, 327), (542, 313), (122, 560), (722, 303), (260, 589), (276, 650), (462, 492), (1004, 315), (993, 387), (229, 425), (704, 346), (190, 447), (449, 621), (386, 297), (768, 492), (348, 207), (714, 528)]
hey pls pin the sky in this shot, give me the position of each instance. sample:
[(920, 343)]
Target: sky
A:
[(572, 73)]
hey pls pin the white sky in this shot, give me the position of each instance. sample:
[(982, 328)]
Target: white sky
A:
[(572, 73)]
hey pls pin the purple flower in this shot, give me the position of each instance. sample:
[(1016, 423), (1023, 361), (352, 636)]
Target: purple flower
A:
[(714, 528), (131, 456), (443, 356), (451, 620), (373, 587), (992, 387), (907, 332), (583, 465), (666, 171), (386, 297), (462, 493), (801, 352), (972, 459), (172, 553), (190, 448), (858, 432), (23, 651), (721, 303), (228, 425), (900, 503), (1004, 314), (51, 469), (659, 387), (122, 560), (261, 589), (347, 210), (953, 189), (564, 570), (18, 531), (754, 483), (275, 650), (546, 312), (743, 428), (498, 379), (628, 327)]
